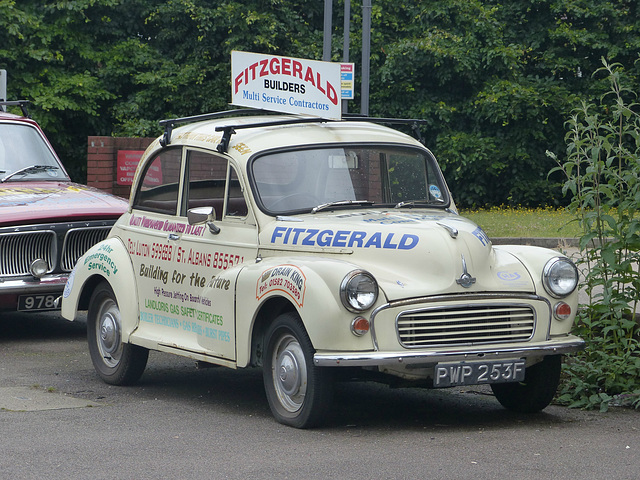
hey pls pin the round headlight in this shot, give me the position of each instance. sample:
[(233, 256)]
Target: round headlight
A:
[(560, 277), (358, 291), (39, 268)]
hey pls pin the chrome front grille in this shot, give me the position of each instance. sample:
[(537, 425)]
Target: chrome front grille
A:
[(18, 250), (466, 324), (77, 241)]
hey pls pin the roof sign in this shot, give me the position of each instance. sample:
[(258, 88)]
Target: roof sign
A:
[(284, 84)]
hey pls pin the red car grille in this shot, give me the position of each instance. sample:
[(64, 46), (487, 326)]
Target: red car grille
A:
[(18, 250), (78, 241)]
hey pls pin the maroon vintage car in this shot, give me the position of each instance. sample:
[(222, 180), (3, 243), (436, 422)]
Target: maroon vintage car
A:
[(46, 221)]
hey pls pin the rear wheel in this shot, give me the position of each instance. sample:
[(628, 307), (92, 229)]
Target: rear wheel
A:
[(298, 392), (117, 363), (536, 391)]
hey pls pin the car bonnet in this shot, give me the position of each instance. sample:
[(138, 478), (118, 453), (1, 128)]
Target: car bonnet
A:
[(411, 253), (23, 203)]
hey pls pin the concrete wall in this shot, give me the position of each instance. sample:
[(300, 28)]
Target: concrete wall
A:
[(102, 155)]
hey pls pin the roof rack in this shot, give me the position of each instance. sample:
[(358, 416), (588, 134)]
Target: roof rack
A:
[(17, 103), (174, 122), (229, 130), (413, 122)]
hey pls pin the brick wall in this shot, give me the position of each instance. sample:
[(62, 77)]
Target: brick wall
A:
[(102, 154)]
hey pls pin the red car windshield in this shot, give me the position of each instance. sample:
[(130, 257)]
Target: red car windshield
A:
[(25, 155)]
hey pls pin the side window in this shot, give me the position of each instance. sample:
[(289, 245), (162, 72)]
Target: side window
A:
[(236, 204), (160, 184), (208, 175)]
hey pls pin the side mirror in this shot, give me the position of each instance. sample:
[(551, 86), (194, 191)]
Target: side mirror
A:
[(200, 215)]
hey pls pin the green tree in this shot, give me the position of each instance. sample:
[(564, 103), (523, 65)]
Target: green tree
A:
[(118, 67), (494, 80), (182, 64), (50, 53)]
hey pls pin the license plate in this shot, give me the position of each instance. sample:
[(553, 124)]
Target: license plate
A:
[(477, 373), (34, 303)]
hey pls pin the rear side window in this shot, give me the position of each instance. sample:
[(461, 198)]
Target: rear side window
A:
[(211, 181), (160, 184)]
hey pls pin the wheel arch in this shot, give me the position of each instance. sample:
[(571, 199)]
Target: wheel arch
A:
[(265, 315), (87, 289), (116, 270), (325, 320)]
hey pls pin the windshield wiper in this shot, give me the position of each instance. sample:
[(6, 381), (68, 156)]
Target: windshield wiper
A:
[(31, 169), (411, 203), (340, 203)]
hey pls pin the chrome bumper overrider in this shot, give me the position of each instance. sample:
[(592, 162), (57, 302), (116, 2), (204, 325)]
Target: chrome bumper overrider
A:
[(567, 344)]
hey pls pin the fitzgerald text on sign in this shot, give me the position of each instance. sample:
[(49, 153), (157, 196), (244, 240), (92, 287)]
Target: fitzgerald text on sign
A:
[(284, 84)]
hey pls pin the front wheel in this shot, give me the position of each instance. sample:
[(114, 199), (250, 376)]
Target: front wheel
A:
[(536, 391), (117, 363), (299, 393)]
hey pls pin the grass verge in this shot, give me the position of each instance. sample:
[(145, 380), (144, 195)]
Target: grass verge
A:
[(525, 222)]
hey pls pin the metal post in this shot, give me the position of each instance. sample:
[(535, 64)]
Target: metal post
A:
[(326, 44), (3, 88), (366, 48), (345, 44)]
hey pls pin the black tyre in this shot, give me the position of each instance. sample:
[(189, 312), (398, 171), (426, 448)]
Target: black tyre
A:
[(117, 363), (536, 391), (298, 392)]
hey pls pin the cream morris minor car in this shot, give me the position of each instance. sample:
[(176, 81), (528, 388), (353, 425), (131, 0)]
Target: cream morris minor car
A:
[(312, 248)]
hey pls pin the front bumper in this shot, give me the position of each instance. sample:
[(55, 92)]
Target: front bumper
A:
[(22, 285), (11, 289), (425, 358)]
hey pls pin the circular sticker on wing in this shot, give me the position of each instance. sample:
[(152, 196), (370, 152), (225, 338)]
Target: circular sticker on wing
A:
[(435, 192)]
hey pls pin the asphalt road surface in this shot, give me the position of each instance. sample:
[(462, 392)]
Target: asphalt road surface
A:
[(58, 420)]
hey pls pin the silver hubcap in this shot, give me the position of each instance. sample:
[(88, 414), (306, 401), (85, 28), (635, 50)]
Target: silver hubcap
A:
[(289, 373), (108, 333)]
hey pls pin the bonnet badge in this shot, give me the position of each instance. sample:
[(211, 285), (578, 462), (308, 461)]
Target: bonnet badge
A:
[(465, 280)]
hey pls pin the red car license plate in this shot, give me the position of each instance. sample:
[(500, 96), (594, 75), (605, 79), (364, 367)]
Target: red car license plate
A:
[(35, 303), (477, 373)]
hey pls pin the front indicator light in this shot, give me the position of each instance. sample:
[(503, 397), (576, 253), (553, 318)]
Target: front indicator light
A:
[(359, 326), (562, 311)]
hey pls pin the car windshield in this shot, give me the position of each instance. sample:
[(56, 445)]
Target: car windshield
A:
[(330, 178), (25, 155)]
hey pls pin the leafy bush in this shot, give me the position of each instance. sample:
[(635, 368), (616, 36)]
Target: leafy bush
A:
[(602, 171)]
